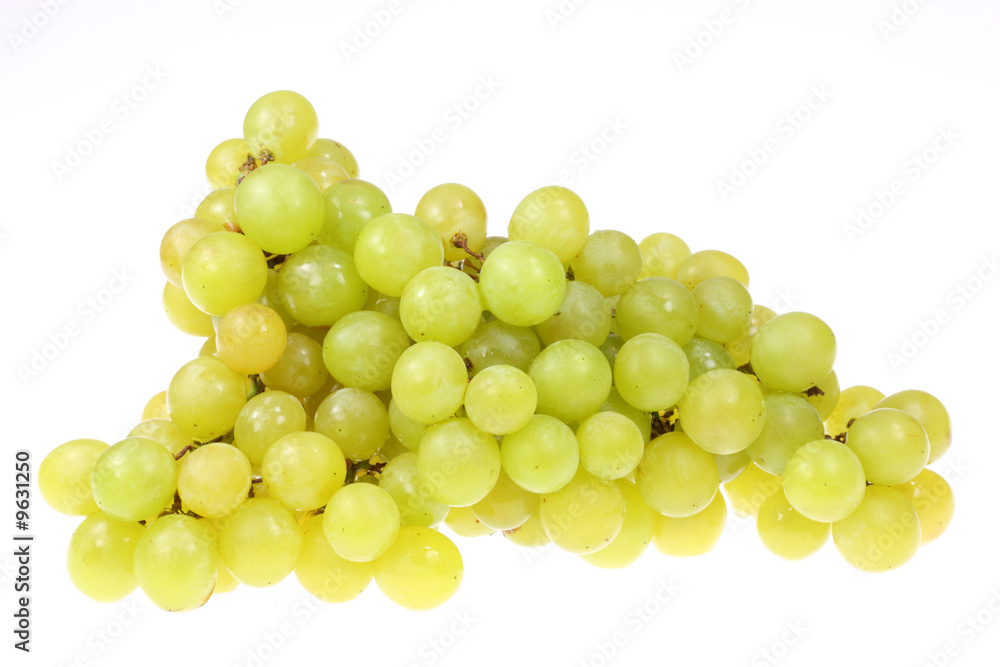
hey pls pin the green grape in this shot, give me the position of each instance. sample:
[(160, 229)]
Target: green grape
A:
[(705, 355), (825, 395), (642, 419), (336, 151), (185, 315), (463, 522), (99, 559), (220, 206), (611, 445), (134, 479), (362, 349), (302, 470), (748, 491), (554, 218), (355, 419), (323, 171), (635, 535), (852, 403), (325, 575), (205, 397), (739, 348), (350, 205), (573, 380), (274, 299), (458, 216), (412, 493), (162, 431), (691, 535), (421, 570), (506, 506), (891, 445), (393, 248), (429, 382), (731, 465), (793, 352), (662, 254), (320, 284), (207, 350), (610, 261), (583, 315), (225, 163), (676, 477), (224, 270), (522, 283), (585, 515), (934, 501), (651, 372), (501, 399), (279, 208), (785, 532), (251, 339), (542, 457), (156, 407), (361, 522), (176, 561), (657, 305), (64, 476), (883, 533), (408, 431), (472, 265), (380, 303), (789, 422), (724, 308), (824, 481), (460, 462), (224, 579), (530, 534), (301, 371), (392, 448), (213, 480), (283, 124), (261, 542), (709, 264), (927, 410), (264, 419), (177, 243), (496, 342), (441, 304)]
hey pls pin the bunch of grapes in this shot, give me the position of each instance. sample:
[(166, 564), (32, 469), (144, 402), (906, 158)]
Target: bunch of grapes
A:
[(370, 374)]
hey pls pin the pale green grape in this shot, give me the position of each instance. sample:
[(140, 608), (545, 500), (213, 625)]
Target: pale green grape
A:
[(731, 465), (463, 522), (472, 265), (927, 410), (393, 248), (662, 254), (825, 395), (336, 151), (429, 382), (323, 171), (224, 270), (554, 218), (891, 445), (320, 284), (380, 303), (283, 124), (325, 575), (441, 304), (705, 355), (408, 431), (635, 535), (225, 163), (530, 534), (691, 535), (748, 491), (64, 476), (739, 348), (355, 419), (412, 493), (657, 305), (506, 506), (178, 241), (651, 372), (156, 407), (220, 206), (572, 378), (362, 349), (934, 501), (793, 352), (583, 315), (501, 399), (609, 260), (224, 579), (279, 208), (302, 470), (542, 457), (214, 479), (361, 522), (134, 479), (676, 477), (301, 371), (176, 561), (421, 570), (275, 300), (496, 342), (852, 403), (709, 264), (824, 481), (789, 422), (883, 533), (452, 209), (641, 418), (460, 462), (162, 431), (264, 419), (251, 339), (611, 445), (350, 205), (585, 515), (205, 397), (392, 448), (522, 283), (99, 559), (724, 308), (785, 532), (261, 542), (185, 315), (207, 349)]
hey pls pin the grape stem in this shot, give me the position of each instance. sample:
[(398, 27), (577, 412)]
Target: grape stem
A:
[(460, 240)]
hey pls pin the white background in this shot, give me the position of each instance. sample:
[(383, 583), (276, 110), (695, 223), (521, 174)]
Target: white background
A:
[(677, 130)]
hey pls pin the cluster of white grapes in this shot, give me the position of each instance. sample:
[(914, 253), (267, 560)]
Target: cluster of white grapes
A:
[(368, 375)]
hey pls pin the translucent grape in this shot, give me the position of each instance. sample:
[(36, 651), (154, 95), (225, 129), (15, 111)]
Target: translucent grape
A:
[(323, 171), (362, 349), (178, 241), (501, 399), (220, 206), (409, 431), (176, 561), (883, 533), (891, 445), (496, 342), (662, 254), (336, 151), (572, 378), (156, 407), (356, 420), (393, 248), (162, 431), (793, 352), (429, 382), (635, 535), (350, 205), (585, 515), (530, 534), (261, 542), (611, 445), (934, 501), (361, 522), (412, 493), (676, 477), (205, 397), (724, 308), (225, 163), (609, 260), (705, 355), (748, 491), (99, 559), (651, 372), (320, 284), (64, 476), (731, 465), (852, 403), (134, 479), (642, 419), (301, 371), (691, 535), (222, 271), (454, 210), (789, 422), (542, 457), (264, 419), (709, 264), (440, 304), (251, 339), (214, 479), (506, 506), (657, 305), (825, 395), (554, 218), (824, 481), (463, 522), (927, 410), (583, 315), (739, 348), (283, 124), (421, 570), (460, 462), (522, 283), (325, 575), (302, 470), (279, 208), (185, 315), (785, 532)]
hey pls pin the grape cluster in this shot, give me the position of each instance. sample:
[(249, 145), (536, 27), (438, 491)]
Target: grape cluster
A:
[(369, 374)]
